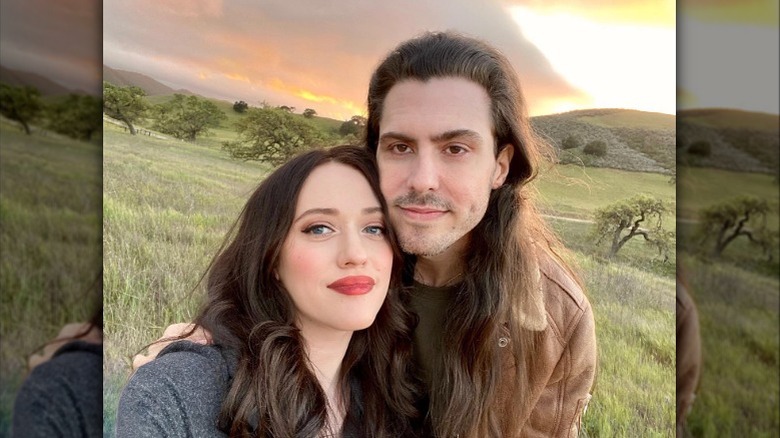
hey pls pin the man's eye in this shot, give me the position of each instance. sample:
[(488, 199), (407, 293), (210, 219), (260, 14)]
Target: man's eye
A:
[(455, 149), (400, 148), (376, 230), (318, 230)]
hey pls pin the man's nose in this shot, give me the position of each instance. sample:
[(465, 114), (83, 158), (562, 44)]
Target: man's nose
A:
[(424, 173)]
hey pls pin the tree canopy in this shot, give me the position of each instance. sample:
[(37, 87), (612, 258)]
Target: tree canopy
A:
[(271, 135), (309, 113), (640, 215), (727, 221), (126, 104), (240, 106), (22, 104), (187, 117), (78, 116), (353, 126)]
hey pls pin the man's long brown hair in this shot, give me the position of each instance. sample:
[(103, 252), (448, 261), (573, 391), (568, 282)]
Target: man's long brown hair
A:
[(501, 294), (274, 392)]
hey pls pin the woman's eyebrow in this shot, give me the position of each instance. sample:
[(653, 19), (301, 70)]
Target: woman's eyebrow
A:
[(334, 212)]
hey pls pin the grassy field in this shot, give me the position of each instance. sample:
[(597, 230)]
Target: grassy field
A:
[(168, 204), (738, 316), (576, 191), (50, 240), (738, 300), (702, 187)]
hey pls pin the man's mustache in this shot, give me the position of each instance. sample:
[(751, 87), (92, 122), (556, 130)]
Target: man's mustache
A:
[(424, 200)]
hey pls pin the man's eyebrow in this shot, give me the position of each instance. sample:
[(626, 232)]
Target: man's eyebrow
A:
[(396, 136), (438, 138), (458, 133)]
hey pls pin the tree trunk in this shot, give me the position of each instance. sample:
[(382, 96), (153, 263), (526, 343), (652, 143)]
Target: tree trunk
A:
[(129, 125), (615, 243), (26, 127)]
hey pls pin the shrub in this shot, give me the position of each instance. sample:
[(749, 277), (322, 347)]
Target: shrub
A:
[(596, 147), (240, 106), (681, 141), (570, 142), (701, 148)]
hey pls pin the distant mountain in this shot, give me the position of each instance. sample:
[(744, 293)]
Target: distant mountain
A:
[(636, 140), (46, 86), (739, 140), (153, 87)]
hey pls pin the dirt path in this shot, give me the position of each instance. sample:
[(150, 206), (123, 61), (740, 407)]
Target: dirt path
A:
[(567, 219)]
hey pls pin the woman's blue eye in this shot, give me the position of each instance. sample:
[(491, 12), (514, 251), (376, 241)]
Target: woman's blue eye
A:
[(376, 230), (318, 230)]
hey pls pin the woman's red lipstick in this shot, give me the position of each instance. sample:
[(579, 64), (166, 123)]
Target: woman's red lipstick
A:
[(353, 285)]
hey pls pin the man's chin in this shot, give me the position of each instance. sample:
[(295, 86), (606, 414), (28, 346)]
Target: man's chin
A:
[(424, 247)]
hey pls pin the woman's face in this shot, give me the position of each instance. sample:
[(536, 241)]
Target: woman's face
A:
[(336, 260)]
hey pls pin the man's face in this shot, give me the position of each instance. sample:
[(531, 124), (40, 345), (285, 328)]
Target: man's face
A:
[(437, 162)]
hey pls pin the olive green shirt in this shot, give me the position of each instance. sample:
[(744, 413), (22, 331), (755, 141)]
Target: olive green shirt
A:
[(430, 304)]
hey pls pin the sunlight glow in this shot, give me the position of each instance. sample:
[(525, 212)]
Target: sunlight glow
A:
[(618, 65)]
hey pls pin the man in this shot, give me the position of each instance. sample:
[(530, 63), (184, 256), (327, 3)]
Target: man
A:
[(505, 342)]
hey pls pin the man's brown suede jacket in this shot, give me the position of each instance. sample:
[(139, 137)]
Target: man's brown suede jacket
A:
[(565, 364)]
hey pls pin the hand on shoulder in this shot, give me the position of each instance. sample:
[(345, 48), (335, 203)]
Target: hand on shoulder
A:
[(81, 331), (172, 333)]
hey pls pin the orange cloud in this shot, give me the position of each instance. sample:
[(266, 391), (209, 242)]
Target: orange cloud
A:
[(237, 77), (279, 85), (184, 8)]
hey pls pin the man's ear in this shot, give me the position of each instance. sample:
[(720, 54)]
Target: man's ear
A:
[(503, 160)]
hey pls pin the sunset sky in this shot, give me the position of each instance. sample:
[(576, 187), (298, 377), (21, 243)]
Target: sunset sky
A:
[(319, 54)]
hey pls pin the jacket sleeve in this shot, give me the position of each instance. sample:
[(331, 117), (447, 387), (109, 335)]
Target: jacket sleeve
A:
[(177, 395), (565, 396), (579, 380)]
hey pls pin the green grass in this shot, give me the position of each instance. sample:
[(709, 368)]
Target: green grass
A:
[(702, 187), (732, 119), (632, 119), (576, 191), (168, 204), (635, 389), (635, 253), (50, 240), (738, 317)]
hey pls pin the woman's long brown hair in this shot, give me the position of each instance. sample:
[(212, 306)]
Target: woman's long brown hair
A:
[(501, 287), (274, 392)]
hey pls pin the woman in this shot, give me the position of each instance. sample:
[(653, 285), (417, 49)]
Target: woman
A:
[(307, 340)]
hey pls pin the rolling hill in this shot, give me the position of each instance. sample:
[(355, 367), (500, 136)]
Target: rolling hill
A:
[(46, 86), (636, 140), (739, 140), (153, 87)]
